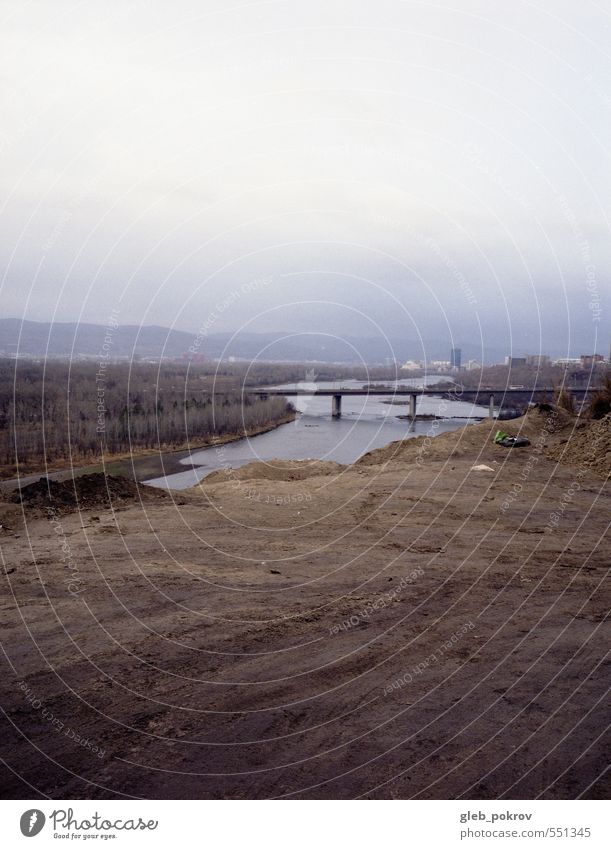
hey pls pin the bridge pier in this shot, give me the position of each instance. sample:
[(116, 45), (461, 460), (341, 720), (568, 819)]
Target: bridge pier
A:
[(336, 407), (412, 406), (491, 407)]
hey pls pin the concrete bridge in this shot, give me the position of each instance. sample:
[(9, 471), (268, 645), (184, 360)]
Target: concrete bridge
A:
[(457, 394)]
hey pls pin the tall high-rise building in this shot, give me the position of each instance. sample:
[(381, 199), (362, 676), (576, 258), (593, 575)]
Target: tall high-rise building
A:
[(455, 358)]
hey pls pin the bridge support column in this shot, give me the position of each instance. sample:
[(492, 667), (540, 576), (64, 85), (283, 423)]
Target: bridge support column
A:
[(491, 407), (336, 407), (412, 406)]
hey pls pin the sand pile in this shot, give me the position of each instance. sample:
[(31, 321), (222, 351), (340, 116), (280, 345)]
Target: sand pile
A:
[(276, 470), (588, 445), (83, 492), (540, 419), (543, 419), (432, 446)]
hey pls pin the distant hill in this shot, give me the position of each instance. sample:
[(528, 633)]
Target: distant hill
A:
[(40, 339), (60, 339)]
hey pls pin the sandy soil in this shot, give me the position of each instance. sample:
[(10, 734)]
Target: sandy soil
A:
[(408, 626)]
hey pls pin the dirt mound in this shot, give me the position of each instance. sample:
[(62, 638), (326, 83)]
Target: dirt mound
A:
[(83, 492), (431, 446), (276, 470), (589, 445), (542, 420)]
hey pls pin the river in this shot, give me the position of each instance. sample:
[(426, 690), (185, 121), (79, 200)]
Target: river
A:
[(366, 423)]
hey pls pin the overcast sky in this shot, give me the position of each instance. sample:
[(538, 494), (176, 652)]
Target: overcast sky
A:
[(345, 166)]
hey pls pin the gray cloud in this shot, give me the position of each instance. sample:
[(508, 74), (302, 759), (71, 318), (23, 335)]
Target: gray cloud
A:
[(391, 157)]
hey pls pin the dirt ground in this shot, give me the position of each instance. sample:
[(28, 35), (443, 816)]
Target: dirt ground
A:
[(409, 626)]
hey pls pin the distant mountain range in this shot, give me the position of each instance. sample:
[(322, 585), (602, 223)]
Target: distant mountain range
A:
[(40, 339)]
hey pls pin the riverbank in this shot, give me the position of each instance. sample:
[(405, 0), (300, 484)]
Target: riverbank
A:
[(139, 464), (426, 622)]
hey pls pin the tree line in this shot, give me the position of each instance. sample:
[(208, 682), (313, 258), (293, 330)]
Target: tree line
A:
[(59, 411)]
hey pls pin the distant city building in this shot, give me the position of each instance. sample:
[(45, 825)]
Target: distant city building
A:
[(473, 365), (411, 365), (567, 361), (591, 360), (455, 358), (538, 360), (512, 362)]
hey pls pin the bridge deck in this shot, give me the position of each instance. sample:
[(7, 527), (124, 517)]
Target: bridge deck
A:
[(413, 391)]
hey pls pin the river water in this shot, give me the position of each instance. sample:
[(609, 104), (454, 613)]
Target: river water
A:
[(366, 423)]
